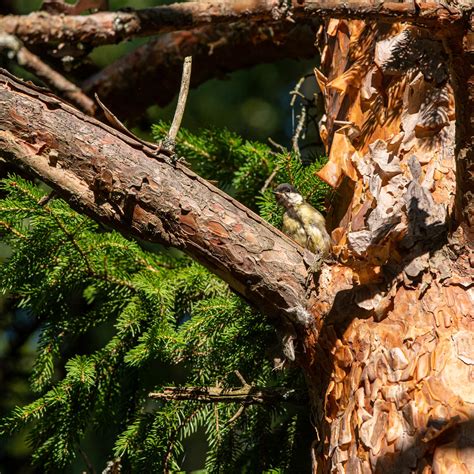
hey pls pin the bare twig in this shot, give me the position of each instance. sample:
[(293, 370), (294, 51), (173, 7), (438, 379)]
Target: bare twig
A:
[(181, 105), (277, 145), (299, 129), (238, 413), (269, 179), (116, 123), (52, 78), (241, 378), (247, 394)]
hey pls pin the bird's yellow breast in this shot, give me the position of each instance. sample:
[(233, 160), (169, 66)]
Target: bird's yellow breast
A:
[(307, 227)]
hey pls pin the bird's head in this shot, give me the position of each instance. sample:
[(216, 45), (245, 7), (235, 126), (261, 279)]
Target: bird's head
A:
[(287, 195)]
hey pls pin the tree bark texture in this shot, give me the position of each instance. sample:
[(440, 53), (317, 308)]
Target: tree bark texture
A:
[(134, 188), (112, 27), (392, 374)]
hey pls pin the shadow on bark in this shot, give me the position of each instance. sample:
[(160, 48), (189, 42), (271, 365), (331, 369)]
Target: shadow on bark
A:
[(423, 239), (440, 440)]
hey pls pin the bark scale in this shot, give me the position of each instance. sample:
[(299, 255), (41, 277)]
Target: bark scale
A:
[(392, 372)]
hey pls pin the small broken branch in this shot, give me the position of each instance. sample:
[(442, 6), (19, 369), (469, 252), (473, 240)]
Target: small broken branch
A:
[(169, 141), (248, 395), (49, 76), (299, 129), (95, 29)]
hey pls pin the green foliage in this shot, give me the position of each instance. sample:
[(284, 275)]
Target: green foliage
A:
[(242, 168), (164, 316)]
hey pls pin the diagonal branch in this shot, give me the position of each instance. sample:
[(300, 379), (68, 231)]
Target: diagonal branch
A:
[(216, 51), (127, 185), (112, 27), (52, 78)]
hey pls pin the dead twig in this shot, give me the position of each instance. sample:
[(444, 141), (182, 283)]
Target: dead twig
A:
[(238, 413), (299, 129), (169, 141), (269, 179), (248, 395)]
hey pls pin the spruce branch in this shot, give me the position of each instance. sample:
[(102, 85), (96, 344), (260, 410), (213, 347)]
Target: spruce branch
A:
[(12, 229)]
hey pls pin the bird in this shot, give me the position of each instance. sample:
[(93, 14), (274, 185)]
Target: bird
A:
[(302, 222)]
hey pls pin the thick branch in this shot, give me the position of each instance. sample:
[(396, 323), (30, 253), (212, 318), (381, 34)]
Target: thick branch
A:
[(216, 50), (127, 185), (247, 395), (113, 27)]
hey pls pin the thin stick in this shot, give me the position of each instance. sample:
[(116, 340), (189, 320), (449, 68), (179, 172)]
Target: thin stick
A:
[(183, 95), (299, 129), (237, 414), (239, 376), (52, 78), (269, 179)]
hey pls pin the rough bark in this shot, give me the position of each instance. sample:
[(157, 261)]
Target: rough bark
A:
[(160, 61), (394, 362), (134, 188), (113, 27)]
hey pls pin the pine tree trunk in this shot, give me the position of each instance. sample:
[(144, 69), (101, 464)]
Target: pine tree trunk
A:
[(392, 378)]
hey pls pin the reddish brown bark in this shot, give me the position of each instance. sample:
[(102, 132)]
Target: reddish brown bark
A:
[(113, 27), (394, 361), (127, 185)]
